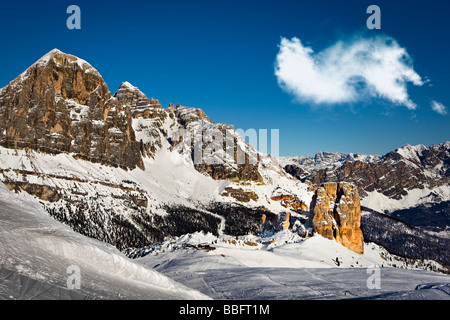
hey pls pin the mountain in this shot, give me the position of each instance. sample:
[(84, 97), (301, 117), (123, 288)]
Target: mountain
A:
[(61, 104), (103, 178), (400, 179), (121, 168), (322, 160), (286, 266), (38, 252), (411, 233), (337, 214)]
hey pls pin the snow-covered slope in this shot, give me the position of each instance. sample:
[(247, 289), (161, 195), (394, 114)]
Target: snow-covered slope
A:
[(36, 253), (108, 199), (286, 267), (381, 203), (283, 249)]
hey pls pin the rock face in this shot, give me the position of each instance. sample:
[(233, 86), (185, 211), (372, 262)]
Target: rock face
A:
[(279, 222), (290, 201), (214, 148), (305, 167), (217, 149), (148, 118), (294, 171), (336, 214), (61, 104)]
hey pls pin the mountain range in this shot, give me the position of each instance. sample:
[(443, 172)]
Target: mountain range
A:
[(121, 168), (124, 170), (418, 173)]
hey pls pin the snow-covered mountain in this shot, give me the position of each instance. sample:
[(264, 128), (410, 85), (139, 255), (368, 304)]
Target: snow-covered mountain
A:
[(122, 169), (39, 254), (404, 195), (323, 160), (400, 179)]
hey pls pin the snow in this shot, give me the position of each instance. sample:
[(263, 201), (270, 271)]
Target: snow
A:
[(280, 250), (38, 249), (46, 58), (325, 160), (379, 202), (271, 266), (284, 266), (411, 153), (169, 178), (127, 85), (174, 179), (115, 131), (247, 267), (77, 111)]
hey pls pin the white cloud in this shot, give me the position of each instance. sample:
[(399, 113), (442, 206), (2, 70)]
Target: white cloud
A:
[(438, 107), (346, 71)]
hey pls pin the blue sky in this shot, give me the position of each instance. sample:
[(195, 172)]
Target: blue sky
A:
[(221, 55)]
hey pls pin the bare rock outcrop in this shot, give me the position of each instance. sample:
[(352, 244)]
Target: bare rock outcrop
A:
[(240, 195), (336, 214)]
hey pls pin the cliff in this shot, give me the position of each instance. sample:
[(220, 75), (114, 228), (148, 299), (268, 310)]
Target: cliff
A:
[(336, 214)]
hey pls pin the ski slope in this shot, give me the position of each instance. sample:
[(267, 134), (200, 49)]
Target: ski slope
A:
[(36, 252), (285, 267)]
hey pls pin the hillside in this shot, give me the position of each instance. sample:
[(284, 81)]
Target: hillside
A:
[(37, 251)]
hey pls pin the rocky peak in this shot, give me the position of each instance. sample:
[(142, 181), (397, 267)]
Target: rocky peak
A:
[(62, 104), (57, 56), (186, 115), (72, 77), (131, 96), (329, 157), (126, 91), (148, 118), (336, 214)]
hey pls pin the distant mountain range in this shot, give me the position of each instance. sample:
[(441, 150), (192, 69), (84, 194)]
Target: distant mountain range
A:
[(405, 177)]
